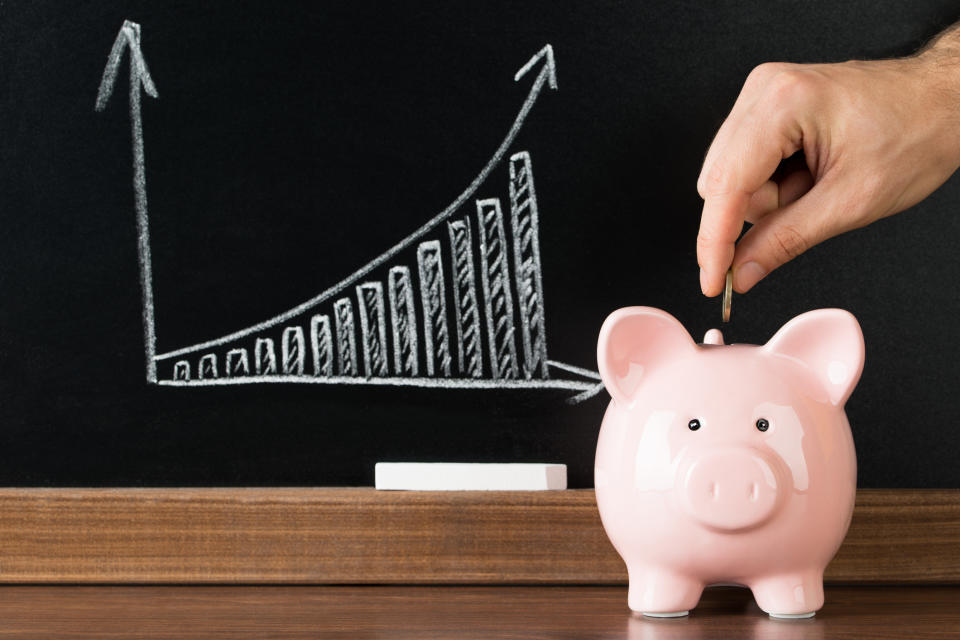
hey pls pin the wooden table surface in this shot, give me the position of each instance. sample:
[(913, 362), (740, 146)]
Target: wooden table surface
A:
[(454, 612)]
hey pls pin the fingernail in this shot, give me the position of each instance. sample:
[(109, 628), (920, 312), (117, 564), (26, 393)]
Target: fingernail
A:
[(747, 275), (703, 281)]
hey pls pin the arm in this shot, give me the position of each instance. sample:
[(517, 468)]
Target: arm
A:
[(871, 139)]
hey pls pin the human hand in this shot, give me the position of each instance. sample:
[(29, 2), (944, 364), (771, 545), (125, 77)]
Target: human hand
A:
[(876, 137)]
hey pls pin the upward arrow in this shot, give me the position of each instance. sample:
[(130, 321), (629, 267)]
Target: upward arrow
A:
[(550, 68), (547, 75), (129, 38)]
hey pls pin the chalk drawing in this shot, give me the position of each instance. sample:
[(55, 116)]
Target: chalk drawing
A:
[(328, 318), (292, 350), (265, 357), (346, 337), (373, 329), (526, 260), (430, 383), (321, 344), (403, 319), (208, 367), (465, 299), (433, 300), (496, 289), (547, 75), (129, 38), (586, 373), (237, 364), (181, 370)]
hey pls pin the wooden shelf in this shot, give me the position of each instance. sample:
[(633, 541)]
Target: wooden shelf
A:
[(462, 612), (351, 536)]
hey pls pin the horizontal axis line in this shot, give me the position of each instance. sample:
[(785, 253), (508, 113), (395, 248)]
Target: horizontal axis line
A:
[(431, 383)]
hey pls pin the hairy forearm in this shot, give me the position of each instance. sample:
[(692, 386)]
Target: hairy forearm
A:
[(939, 62), (945, 44), (939, 68)]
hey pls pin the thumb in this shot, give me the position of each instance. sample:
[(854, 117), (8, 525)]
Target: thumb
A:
[(784, 234)]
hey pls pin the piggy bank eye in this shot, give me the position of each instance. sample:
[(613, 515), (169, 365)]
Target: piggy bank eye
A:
[(762, 424), (694, 424)]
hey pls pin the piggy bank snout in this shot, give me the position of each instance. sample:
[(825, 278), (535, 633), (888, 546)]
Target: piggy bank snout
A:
[(731, 489)]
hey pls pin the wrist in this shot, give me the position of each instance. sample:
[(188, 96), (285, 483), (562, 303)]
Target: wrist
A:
[(937, 68)]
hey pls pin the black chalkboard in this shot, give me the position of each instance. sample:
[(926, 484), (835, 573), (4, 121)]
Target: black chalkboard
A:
[(290, 144)]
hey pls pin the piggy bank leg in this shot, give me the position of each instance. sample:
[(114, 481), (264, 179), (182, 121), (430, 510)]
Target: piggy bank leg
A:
[(795, 595), (660, 593)]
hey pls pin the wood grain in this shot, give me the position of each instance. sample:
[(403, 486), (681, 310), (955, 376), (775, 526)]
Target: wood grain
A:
[(462, 612), (292, 535)]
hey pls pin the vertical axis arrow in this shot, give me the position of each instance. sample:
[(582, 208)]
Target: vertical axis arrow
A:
[(129, 38)]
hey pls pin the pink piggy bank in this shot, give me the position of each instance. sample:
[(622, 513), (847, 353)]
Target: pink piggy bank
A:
[(727, 464)]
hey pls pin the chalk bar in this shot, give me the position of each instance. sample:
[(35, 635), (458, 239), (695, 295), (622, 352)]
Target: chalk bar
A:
[(469, 476)]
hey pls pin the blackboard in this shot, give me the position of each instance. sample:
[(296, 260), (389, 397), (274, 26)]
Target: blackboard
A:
[(290, 146)]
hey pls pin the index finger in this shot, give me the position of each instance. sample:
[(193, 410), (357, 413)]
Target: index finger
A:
[(749, 157)]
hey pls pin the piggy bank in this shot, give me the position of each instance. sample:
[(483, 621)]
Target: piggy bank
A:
[(727, 464)]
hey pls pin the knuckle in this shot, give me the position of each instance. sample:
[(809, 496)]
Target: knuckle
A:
[(708, 242), (790, 87), (702, 186), (762, 73), (788, 242), (713, 181), (705, 242)]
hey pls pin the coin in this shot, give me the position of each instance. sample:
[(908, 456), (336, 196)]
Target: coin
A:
[(728, 295)]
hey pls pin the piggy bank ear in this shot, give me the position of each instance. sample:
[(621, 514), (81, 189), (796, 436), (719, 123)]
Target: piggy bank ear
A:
[(633, 341), (829, 343)]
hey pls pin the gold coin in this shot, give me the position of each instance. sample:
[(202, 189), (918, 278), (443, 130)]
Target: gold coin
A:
[(728, 295)]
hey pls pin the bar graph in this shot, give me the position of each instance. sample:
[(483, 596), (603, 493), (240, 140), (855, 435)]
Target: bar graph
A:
[(466, 309), (464, 305)]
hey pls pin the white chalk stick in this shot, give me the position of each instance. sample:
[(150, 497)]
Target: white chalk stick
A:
[(460, 476)]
